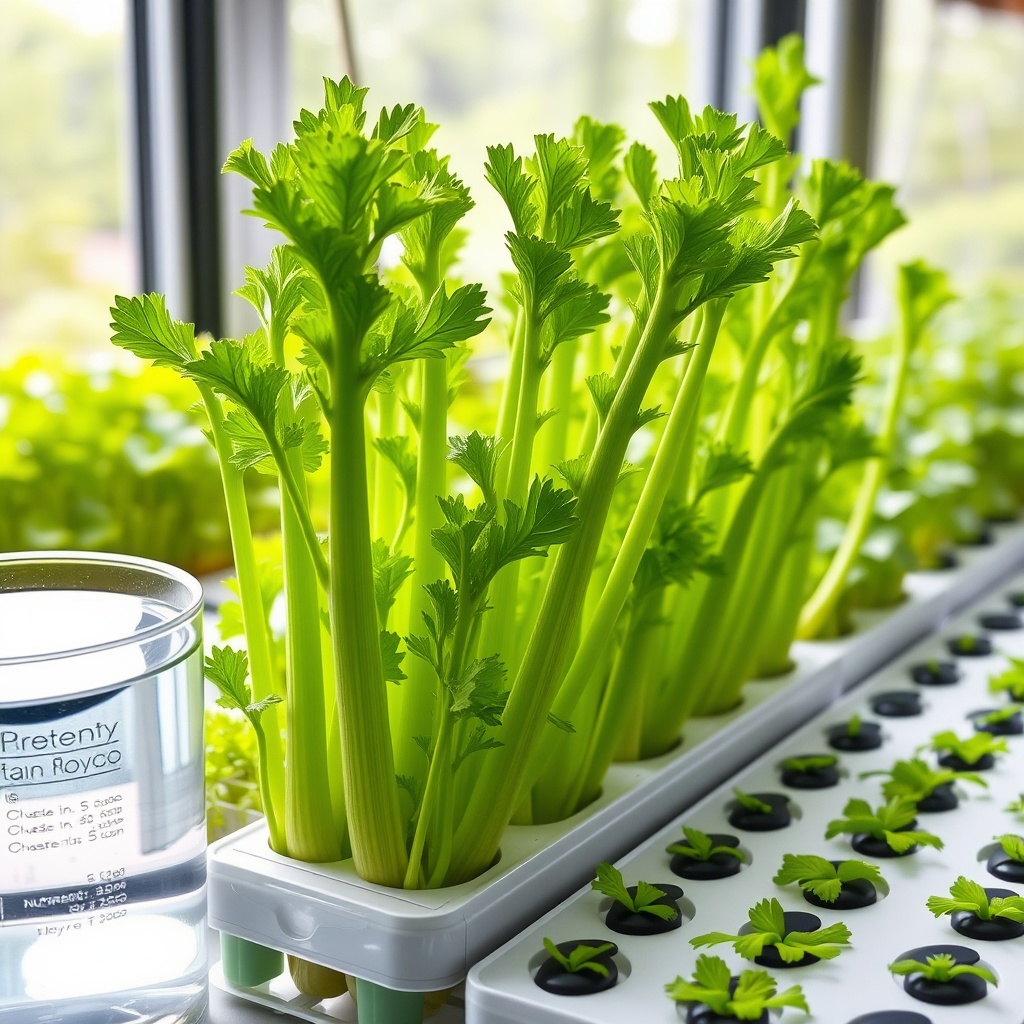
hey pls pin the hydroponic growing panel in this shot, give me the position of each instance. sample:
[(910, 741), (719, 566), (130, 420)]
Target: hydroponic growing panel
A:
[(910, 701)]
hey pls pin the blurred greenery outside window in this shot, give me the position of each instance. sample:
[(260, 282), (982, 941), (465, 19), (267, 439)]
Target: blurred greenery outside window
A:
[(65, 247), (949, 133)]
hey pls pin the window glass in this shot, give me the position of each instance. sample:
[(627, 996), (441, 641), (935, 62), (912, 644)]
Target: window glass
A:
[(493, 71), (949, 133), (64, 246)]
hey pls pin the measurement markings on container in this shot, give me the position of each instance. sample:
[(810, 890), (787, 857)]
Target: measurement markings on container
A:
[(66, 854)]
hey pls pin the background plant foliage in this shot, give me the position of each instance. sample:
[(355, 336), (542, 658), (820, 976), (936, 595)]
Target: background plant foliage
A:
[(106, 460)]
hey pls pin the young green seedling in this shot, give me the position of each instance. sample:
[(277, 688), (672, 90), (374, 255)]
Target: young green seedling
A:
[(853, 725), (915, 780), (970, 896), (609, 883), (1011, 681), (1016, 806), (755, 991), (821, 877), (968, 751), (768, 921), (812, 763), (751, 803), (582, 958), (885, 824), (700, 846), (1012, 845), (942, 968), (228, 669), (999, 715)]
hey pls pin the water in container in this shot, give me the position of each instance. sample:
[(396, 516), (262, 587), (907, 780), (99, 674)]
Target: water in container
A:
[(102, 832)]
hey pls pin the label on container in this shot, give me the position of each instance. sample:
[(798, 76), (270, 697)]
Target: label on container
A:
[(72, 821)]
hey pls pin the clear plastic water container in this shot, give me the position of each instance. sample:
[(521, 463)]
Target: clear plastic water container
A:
[(102, 832)]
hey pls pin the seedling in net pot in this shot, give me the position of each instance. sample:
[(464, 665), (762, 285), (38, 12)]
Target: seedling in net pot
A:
[(981, 913), (633, 902), (759, 812), (885, 832), (770, 931), (845, 885), (812, 771), (1007, 862), (927, 788), (855, 735), (935, 673), (582, 958), (928, 979), (969, 646), (578, 967), (1010, 682), (977, 752), (704, 857), (748, 997), (1000, 721)]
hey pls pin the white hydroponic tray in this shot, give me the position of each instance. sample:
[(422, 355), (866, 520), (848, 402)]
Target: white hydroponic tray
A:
[(428, 940), (500, 990)]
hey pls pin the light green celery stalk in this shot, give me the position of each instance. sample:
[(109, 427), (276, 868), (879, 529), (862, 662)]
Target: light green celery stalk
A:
[(827, 392), (679, 549), (388, 515), (922, 291), (276, 294), (475, 547), (557, 759), (780, 79), (553, 199), (336, 195), (854, 216), (601, 263), (558, 398), (310, 823), (497, 789), (558, 791), (759, 607), (704, 252), (143, 326), (428, 259), (779, 624)]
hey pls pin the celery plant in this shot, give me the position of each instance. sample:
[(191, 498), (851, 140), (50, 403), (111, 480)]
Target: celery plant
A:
[(706, 249), (631, 308), (922, 292)]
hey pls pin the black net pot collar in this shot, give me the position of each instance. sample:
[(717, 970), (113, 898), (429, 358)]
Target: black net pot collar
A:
[(718, 865), (628, 922), (1002, 866), (553, 977), (959, 991), (854, 894), (865, 736), (778, 814)]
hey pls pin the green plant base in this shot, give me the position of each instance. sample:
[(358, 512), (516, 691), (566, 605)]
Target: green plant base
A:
[(379, 1005), (247, 964)]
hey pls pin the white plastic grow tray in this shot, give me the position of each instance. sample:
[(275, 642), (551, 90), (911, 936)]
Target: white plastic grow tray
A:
[(500, 990), (427, 940)]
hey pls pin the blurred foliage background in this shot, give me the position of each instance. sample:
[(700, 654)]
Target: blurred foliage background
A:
[(64, 244)]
